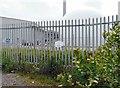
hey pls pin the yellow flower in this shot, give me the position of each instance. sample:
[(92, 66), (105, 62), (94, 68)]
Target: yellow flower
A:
[(78, 62), (59, 85), (70, 76), (77, 66), (77, 82)]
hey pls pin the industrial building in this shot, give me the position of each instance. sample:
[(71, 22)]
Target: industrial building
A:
[(22, 33)]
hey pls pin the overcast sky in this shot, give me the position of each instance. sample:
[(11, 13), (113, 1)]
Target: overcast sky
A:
[(52, 9)]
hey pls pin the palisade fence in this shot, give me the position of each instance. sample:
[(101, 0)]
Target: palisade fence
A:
[(35, 41)]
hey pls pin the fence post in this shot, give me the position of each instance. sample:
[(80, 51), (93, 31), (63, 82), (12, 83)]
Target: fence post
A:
[(34, 41), (1, 31), (119, 11)]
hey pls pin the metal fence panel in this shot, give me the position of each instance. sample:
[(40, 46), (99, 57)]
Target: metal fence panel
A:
[(35, 41)]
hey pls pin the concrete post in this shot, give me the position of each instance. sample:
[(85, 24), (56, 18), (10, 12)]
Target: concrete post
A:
[(64, 7), (119, 10), (0, 51)]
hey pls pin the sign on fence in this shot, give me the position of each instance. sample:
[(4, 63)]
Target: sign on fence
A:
[(7, 40), (59, 44)]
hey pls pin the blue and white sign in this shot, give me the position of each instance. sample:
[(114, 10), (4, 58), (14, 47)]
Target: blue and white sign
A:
[(7, 40)]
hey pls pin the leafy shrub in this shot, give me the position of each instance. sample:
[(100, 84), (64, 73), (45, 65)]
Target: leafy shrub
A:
[(28, 67), (8, 65), (100, 71), (109, 54), (52, 68)]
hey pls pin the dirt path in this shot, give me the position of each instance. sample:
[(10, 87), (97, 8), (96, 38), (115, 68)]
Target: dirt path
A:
[(13, 79)]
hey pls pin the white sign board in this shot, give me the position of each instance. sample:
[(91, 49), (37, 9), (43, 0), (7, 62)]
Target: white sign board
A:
[(59, 44)]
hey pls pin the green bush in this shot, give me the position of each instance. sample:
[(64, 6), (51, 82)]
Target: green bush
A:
[(100, 71), (52, 68), (8, 65)]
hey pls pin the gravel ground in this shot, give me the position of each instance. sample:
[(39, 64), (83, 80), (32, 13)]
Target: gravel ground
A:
[(0, 79), (13, 79)]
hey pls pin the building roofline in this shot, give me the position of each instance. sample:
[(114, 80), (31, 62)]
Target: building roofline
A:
[(15, 19)]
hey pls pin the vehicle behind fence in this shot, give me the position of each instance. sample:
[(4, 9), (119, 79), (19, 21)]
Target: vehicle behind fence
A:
[(35, 41)]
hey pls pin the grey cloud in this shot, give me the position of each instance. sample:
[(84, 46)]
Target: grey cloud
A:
[(33, 10), (39, 10), (36, 7), (94, 3), (82, 14)]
